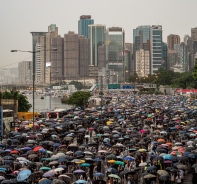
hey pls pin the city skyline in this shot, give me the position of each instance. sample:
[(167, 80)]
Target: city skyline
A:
[(19, 18)]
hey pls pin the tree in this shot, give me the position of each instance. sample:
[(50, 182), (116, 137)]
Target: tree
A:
[(194, 73), (77, 85), (78, 98), (23, 104), (133, 78)]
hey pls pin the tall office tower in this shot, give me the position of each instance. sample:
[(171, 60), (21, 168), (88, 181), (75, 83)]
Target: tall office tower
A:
[(185, 39), (173, 59), (141, 40), (83, 56), (194, 40), (83, 23), (155, 48), (128, 58), (102, 57), (57, 58), (142, 63), (164, 61), (76, 56), (183, 55), (36, 38), (37, 63), (25, 72), (115, 46), (171, 40), (46, 55), (96, 35)]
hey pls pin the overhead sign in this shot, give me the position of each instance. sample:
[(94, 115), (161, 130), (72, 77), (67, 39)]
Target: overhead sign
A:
[(113, 86), (1, 121)]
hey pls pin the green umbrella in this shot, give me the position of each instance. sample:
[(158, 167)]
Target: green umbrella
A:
[(114, 176), (99, 135), (85, 165), (50, 159), (149, 115), (111, 156), (45, 168), (119, 163), (49, 152)]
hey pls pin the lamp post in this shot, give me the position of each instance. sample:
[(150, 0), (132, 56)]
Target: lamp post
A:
[(33, 77)]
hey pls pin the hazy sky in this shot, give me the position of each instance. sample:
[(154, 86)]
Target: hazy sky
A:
[(19, 17)]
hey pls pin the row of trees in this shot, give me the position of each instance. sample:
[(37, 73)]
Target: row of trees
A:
[(170, 78), (23, 104)]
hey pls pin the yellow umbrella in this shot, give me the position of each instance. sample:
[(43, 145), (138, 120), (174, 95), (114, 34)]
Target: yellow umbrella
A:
[(109, 123), (30, 125), (142, 150), (111, 161), (81, 162)]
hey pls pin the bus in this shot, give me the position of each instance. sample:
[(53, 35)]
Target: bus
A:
[(57, 113), (8, 118)]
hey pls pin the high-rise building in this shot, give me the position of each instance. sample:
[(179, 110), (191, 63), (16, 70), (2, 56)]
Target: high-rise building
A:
[(142, 63), (141, 40), (115, 47), (186, 38), (37, 38), (173, 59), (164, 55), (102, 56), (155, 48), (171, 40), (96, 35), (83, 23), (57, 58), (76, 56), (25, 72), (37, 63)]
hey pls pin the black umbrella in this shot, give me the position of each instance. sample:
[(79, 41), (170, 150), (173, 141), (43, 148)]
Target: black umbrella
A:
[(164, 177), (112, 170)]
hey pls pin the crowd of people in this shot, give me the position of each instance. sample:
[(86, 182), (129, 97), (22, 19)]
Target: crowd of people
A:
[(148, 139)]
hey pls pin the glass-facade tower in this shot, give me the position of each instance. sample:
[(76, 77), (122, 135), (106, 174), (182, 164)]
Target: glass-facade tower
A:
[(115, 40), (83, 23), (97, 38)]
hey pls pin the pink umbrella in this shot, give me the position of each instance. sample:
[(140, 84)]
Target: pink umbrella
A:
[(142, 131)]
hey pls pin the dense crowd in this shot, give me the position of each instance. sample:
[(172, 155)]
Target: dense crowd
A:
[(143, 140)]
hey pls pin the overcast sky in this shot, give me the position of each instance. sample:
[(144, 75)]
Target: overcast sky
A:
[(19, 17)]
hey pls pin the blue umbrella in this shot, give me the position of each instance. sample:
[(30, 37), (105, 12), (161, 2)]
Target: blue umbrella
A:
[(56, 144), (97, 160), (191, 155), (45, 181), (62, 166), (99, 174), (167, 157), (42, 150), (23, 175), (27, 148), (61, 160), (48, 174), (81, 182), (129, 158)]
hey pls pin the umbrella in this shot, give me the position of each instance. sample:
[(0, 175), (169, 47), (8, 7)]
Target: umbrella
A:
[(81, 181), (79, 171), (142, 164), (111, 156), (162, 172), (112, 170), (97, 160), (62, 160), (119, 163), (111, 161), (45, 181), (58, 181), (48, 174), (181, 166), (98, 174), (23, 175), (129, 158), (85, 165), (167, 157), (45, 168), (37, 148), (151, 168), (148, 176), (114, 176), (164, 177)]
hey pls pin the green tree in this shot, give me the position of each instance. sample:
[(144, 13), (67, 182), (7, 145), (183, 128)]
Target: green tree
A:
[(133, 77), (78, 85), (194, 73), (23, 104), (78, 98)]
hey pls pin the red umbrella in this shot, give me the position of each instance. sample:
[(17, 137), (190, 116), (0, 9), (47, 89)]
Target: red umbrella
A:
[(37, 148), (91, 128), (14, 152)]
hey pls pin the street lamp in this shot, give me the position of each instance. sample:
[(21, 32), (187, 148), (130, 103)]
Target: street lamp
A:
[(33, 83)]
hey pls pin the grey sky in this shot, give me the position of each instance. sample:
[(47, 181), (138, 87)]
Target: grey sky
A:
[(19, 17)]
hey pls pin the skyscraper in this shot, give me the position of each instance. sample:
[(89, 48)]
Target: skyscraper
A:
[(141, 40), (97, 38), (171, 40), (83, 23), (155, 48), (115, 44), (76, 56)]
